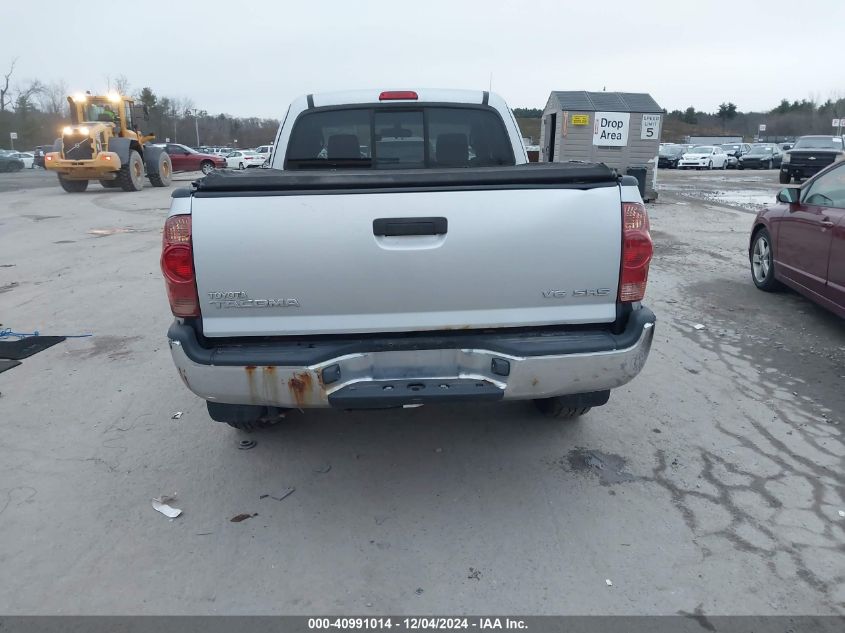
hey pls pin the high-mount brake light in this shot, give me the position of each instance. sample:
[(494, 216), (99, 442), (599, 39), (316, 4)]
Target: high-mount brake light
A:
[(398, 95)]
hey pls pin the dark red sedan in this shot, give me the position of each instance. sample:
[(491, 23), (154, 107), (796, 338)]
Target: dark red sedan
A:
[(800, 242), (186, 159)]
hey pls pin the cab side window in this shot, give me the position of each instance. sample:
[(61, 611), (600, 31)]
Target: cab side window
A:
[(127, 117), (828, 190)]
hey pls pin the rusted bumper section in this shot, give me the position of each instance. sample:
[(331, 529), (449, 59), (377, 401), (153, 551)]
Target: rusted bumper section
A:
[(218, 376)]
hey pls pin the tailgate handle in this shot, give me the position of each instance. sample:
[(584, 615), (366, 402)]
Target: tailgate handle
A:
[(409, 226)]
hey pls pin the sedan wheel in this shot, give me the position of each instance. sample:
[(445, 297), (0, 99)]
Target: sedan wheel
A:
[(762, 262), (710, 165), (207, 167), (769, 165)]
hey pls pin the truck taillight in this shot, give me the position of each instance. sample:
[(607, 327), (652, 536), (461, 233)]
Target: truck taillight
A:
[(637, 249), (177, 265)]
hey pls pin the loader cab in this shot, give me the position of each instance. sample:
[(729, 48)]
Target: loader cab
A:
[(113, 108)]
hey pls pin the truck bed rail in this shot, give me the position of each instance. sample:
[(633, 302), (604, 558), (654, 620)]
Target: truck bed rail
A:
[(277, 182)]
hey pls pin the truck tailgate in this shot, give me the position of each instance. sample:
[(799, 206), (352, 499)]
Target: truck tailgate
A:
[(321, 263)]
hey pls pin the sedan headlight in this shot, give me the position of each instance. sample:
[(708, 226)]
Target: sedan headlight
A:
[(785, 159)]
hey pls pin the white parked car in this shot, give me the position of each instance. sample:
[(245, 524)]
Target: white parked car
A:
[(241, 159), (704, 157), (27, 158)]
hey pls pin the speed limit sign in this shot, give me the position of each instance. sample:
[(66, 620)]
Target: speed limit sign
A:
[(651, 127)]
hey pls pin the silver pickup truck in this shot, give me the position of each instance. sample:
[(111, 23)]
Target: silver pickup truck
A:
[(401, 251)]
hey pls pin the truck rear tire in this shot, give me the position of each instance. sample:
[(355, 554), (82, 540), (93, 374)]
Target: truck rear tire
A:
[(553, 408), (164, 172), (73, 186), (131, 175), (572, 406), (244, 417)]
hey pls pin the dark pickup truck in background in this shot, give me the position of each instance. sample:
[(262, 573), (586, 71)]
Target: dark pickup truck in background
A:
[(809, 156)]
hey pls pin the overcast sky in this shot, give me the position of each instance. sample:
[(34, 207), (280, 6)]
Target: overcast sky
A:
[(250, 58)]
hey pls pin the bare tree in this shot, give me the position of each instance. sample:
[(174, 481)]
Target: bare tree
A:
[(4, 100), (53, 98), (121, 85), (24, 101)]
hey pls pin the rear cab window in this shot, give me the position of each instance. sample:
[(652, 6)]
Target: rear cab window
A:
[(409, 137)]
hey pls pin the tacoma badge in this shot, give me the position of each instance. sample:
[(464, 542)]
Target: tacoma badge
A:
[(239, 299)]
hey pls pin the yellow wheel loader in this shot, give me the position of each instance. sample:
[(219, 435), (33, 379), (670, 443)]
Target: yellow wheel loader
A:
[(105, 143)]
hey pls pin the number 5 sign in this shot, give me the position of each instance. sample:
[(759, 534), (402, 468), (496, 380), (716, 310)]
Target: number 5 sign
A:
[(651, 127)]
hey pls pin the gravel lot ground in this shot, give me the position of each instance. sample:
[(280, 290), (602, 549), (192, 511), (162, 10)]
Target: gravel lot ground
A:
[(712, 484)]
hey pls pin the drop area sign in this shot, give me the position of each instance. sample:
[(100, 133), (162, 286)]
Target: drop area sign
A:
[(611, 129)]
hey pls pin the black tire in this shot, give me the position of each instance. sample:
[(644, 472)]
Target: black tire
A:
[(763, 262), (206, 167), (73, 186), (785, 177), (109, 184), (558, 409), (163, 175), (244, 417), (710, 165), (769, 165), (241, 166), (739, 166), (131, 175)]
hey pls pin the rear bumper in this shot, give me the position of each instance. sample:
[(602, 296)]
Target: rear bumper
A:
[(325, 372)]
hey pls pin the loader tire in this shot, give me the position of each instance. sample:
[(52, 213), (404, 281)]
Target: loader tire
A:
[(73, 186), (164, 172), (131, 175)]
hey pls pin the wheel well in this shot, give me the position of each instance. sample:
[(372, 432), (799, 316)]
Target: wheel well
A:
[(137, 147)]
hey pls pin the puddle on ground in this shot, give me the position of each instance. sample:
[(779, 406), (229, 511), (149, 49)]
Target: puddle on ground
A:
[(609, 468), (747, 198), (111, 231)]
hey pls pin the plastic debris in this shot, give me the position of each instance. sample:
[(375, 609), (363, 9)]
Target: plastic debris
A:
[(474, 574), (242, 517), (608, 582), (162, 504), (842, 513), (176, 415), (323, 468), (245, 445), (419, 591), (284, 494), (699, 326)]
